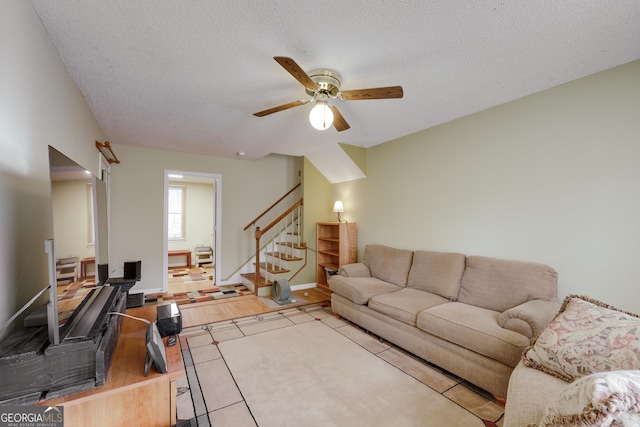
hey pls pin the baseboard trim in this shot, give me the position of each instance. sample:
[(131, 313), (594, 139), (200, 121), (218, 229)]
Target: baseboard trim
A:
[(303, 286)]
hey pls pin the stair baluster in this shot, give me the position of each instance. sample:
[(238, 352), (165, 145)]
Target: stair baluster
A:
[(278, 244)]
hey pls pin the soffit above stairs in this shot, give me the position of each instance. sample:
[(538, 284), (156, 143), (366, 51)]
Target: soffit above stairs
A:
[(335, 164)]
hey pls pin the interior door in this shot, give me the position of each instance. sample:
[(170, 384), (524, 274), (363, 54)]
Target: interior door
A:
[(201, 217)]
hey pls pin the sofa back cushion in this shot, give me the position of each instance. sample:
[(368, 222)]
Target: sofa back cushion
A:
[(388, 264), (499, 284), (437, 272)]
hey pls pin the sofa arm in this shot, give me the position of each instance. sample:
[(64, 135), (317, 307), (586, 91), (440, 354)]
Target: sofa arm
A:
[(531, 317), (357, 269)]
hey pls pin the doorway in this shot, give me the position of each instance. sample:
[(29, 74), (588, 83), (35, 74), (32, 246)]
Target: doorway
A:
[(192, 218)]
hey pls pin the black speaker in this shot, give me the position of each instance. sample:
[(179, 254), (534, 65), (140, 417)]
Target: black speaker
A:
[(103, 273), (132, 270), (169, 319)]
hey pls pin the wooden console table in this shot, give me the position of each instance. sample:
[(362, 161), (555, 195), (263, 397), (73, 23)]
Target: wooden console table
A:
[(183, 252), (128, 397)]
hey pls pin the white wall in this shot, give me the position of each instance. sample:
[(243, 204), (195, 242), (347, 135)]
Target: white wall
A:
[(137, 205), (200, 215), (553, 177), (39, 105)]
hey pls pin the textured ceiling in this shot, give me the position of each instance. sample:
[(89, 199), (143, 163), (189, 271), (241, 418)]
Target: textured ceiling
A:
[(188, 75)]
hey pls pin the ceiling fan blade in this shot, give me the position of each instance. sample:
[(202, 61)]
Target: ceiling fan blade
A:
[(298, 73), (338, 121), (374, 93), (280, 108)]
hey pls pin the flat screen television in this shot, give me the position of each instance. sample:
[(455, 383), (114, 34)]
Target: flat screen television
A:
[(80, 235)]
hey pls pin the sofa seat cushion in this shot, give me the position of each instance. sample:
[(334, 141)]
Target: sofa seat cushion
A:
[(405, 304), (499, 284), (388, 264), (360, 289), (474, 328), (437, 272)]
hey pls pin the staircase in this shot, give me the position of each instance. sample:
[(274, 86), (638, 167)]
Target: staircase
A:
[(283, 261), (281, 247)]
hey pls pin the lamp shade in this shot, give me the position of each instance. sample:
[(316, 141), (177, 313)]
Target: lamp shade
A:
[(321, 116), (337, 207)]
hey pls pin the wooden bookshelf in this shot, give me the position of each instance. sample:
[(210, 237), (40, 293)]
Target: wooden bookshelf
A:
[(335, 246)]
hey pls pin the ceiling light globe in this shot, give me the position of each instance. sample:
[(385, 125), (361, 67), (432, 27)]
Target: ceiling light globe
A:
[(321, 116)]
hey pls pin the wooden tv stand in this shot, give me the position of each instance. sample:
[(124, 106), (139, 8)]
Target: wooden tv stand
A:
[(128, 397)]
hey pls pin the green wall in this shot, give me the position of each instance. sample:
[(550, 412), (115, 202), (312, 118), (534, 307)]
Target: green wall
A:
[(551, 178), (318, 202)]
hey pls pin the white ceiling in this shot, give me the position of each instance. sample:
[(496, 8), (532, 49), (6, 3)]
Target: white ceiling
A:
[(188, 75)]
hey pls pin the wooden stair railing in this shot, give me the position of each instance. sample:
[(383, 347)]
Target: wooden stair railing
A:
[(259, 233), (271, 207), (277, 228)]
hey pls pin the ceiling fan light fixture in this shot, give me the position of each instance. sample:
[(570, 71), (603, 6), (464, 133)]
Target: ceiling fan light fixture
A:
[(321, 85), (321, 116)]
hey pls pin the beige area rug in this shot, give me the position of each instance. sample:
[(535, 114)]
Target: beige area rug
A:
[(323, 374), (311, 375)]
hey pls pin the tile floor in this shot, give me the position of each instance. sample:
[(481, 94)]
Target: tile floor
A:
[(208, 395)]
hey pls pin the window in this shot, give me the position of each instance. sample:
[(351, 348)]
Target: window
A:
[(176, 212)]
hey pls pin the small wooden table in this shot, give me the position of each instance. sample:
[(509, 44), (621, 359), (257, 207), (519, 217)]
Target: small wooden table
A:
[(128, 397), (182, 252), (84, 262)]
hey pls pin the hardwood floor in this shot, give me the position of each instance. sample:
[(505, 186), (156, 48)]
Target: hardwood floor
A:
[(232, 308)]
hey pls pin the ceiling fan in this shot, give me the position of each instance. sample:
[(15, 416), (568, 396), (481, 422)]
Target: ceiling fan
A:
[(322, 85)]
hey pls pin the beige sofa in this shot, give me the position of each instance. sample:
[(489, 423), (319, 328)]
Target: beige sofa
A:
[(472, 316)]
